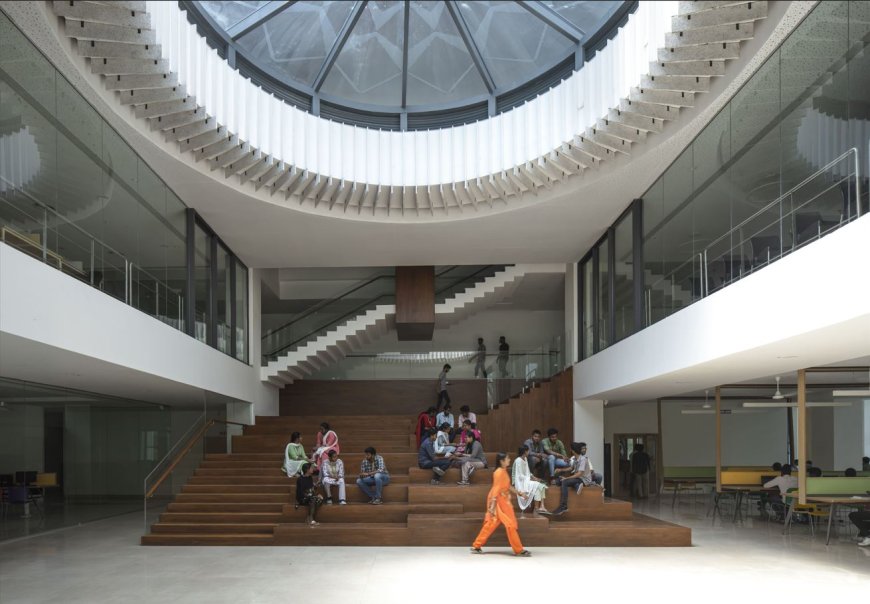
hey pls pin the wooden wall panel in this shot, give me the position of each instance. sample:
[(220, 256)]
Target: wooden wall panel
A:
[(415, 302), (377, 397), (550, 405)]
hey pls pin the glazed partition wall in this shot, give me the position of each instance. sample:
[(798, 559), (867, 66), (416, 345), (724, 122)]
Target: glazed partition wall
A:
[(88, 453), (783, 163), (76, 196)]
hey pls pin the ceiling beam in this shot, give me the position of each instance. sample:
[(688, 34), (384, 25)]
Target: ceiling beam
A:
[(343, 35), (256, 18), (405, 54), (465, 34), (554, 20)]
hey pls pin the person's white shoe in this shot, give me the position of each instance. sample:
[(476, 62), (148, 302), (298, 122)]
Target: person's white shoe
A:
[(865, 542), (438, 471)]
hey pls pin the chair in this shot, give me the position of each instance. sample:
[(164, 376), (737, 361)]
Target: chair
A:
[(19, 495), (811, 510), (26, 477)]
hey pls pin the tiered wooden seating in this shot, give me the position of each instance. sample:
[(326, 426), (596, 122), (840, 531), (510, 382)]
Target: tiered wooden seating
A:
[(244, 498)]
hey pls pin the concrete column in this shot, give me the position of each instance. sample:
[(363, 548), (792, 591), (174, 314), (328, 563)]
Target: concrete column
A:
[(589, 428), (265, 395)]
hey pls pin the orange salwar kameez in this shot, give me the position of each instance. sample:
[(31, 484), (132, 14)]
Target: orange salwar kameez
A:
[(504, 512)]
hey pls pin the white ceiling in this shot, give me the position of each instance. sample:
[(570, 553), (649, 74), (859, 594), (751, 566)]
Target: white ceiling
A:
[(558, 225)]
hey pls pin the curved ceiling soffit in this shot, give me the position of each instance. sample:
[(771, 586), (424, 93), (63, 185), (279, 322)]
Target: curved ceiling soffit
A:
[(120, 45)]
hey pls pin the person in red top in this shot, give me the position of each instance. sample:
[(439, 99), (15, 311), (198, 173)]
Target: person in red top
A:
[(425, 422), (499, 509)]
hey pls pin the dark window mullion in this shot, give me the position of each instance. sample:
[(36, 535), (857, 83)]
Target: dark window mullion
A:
[(637, 259), (231, 304), (190, 282), (212, 297), (595, 299), (611, 285)]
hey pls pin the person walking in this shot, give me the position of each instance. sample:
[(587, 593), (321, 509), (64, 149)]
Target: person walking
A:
[(479, 359), (640, 472), (504, 354), (499, 510), (442, 387)]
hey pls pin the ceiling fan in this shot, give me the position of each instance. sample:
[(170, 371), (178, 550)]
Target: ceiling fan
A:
[(778, 395)]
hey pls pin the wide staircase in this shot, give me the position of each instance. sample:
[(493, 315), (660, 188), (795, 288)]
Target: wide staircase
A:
[(244, 498)]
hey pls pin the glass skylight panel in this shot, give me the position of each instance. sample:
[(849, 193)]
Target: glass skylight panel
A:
[(440, 68), (369, 67), (514, 44), (296, 41), (227, 14), (585, 15)]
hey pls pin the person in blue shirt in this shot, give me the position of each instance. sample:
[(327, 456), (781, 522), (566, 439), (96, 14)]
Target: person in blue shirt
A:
[(427, 459)]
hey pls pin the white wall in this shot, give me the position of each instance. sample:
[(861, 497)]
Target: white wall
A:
[(589, 428), (45, 314), (690, 439), (849, 436), (807, 309)]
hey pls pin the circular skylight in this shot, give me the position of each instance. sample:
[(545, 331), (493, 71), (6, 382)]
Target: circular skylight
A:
[(407, 64)]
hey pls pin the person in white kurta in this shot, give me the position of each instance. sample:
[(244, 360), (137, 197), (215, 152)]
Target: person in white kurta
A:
[(528, 487), (332, 474)]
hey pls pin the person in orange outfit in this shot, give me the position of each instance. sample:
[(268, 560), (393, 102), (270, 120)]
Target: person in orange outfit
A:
[(499, 509)]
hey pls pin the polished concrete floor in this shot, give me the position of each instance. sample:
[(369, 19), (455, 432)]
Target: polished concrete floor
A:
[(102, 562)]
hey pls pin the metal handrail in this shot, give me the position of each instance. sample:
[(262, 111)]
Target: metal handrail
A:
[(324, 303), (177, 459), (48, 209), (767, 207), (367, 304)]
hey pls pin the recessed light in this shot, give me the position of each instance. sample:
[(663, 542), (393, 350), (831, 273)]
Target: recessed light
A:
[(791, 356)]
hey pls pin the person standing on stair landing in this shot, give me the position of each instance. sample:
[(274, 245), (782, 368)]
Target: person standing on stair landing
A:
[(504, 355), (499, 509), (442, 387), (327, 440), (479, 359)]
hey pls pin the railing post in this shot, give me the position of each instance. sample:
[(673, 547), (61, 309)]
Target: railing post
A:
[(126, 281), (44, 235), (92, 262)]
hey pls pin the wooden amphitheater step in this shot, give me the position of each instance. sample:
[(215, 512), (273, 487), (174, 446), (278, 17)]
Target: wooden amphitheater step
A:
[(389, 511), (344, 533), (226, 508), (640, 531), (207, 539), (396, 462), (222, 517), (440, 530), (226, 528), (266, 443), (452, 475)]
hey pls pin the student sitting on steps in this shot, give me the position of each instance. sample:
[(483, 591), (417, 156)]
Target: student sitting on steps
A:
[(306, 493), (373, 473), (473, 458), (333, 475), (428, 460)]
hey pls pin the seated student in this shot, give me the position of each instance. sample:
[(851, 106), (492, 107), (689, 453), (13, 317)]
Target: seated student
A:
[(472, 459), (445, 416), (442, 441), (306, 492), (861, 519), (783, 482), (528, 487), (425, 422), (764, 499), (557, 456), (373, 473), (427, 459), (327, 440), (814, 472), (466, 414), (580, 474), (850, 473), (776, 467), (537, 457), (294, 456), (463, 433), (865, 464), (332, 472)]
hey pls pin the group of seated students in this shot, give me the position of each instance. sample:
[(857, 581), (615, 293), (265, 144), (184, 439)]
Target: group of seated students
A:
[(787, 481), (540, 463), (323, 470)]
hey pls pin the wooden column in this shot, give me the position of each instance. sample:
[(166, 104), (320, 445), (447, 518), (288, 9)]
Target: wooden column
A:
[(660, 458), (718, 438), (415, 302), (802, 434)]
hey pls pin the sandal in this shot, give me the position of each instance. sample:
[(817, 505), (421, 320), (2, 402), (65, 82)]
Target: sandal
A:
[(476, 550), (524, 554)]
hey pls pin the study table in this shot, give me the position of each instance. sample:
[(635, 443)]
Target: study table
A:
[(831, 500)]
